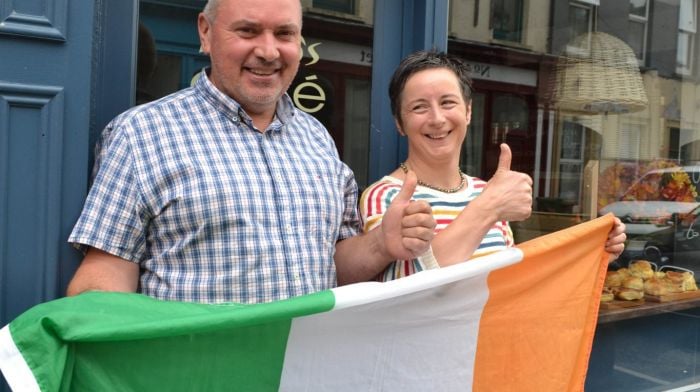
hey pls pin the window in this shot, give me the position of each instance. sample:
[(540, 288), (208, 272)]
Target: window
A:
[(637, 34), (507, 20), (473, 146), (581, 21), (345, 6), (571, 161), (674, 143), (686, 37), (629, 141)]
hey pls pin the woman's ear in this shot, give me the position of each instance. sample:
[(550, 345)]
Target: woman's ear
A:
[(398, 127)]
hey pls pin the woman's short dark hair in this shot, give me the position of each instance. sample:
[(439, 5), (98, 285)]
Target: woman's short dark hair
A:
[(422, 60)]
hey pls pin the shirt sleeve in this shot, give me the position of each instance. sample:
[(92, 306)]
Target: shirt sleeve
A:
[(351, 217), (374, 202), (113, 217)]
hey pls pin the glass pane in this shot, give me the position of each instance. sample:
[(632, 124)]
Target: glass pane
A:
[(571, 139), (636, 38), (510, 111), (638, 8), (683, 53), (687, 16), (610, 136), (165, 79), (333, 83), (346, 6), (507, 20), (472, 150), (579, 23), (570, 185), (356, 145)]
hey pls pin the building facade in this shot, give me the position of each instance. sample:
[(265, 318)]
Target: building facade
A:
[(597, 98)]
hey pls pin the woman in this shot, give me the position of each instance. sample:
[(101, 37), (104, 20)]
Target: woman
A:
[(431, 103)]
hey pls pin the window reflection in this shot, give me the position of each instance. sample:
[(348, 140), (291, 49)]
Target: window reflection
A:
[(346, 6), (597, 131), (507, 20)]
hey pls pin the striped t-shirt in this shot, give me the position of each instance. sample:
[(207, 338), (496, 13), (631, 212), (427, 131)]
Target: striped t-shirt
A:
[(446, 206)]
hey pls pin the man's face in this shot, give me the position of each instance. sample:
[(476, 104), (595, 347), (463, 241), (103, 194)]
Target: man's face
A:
[(255, 48)]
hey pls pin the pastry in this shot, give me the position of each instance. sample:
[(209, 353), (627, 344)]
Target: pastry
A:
[(655, 286), (613, 279), (607, 295), (675, 276), (629, 294), (641, 269), (633, 282)]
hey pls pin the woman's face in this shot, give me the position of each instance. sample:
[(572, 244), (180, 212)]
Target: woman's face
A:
[(434, 115)]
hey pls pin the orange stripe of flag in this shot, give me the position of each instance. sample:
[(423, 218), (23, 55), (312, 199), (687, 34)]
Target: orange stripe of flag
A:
[(541, 313)]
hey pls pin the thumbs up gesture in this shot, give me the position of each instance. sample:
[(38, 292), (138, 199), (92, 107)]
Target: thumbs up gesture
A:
[(508, 193), (408, 226)]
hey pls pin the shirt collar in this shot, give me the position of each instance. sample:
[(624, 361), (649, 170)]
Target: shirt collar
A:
[(229, 107)]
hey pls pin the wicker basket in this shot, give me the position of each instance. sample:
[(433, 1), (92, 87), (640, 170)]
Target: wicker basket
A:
[(603, 79)]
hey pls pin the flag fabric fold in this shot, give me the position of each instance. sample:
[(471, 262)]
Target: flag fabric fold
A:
[(517, 320)]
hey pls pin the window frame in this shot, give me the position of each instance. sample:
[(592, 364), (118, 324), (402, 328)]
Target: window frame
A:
[(569, 125), (643, 20), (592, 8), (690, 32), (520, 25), (349, 7)]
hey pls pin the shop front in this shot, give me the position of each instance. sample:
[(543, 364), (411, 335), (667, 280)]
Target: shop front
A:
[(597, 133)]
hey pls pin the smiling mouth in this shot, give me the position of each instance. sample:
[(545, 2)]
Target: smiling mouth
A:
[(261, 72), (439, 136)]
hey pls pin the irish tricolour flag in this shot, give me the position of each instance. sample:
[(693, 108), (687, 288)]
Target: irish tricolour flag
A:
[(517, 320)]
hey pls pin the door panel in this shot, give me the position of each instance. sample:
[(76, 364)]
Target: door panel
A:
[(66, 69), (46, 48), (512, 121)]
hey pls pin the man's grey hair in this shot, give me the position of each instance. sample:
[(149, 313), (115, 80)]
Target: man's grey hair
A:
[(210, 9), (212, 6)]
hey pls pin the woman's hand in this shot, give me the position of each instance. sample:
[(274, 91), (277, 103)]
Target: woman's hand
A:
[(615, 244), (508, 193)]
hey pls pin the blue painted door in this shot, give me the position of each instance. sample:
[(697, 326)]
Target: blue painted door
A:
[(44, 115), (55, 56)]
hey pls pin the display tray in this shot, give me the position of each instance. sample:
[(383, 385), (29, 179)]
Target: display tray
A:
[(672, 296), (620, 304)]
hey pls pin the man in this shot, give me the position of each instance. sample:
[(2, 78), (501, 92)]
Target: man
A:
[(224, 192)]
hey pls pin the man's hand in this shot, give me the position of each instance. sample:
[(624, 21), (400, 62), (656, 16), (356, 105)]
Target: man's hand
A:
[(508, 193), (408, 226)]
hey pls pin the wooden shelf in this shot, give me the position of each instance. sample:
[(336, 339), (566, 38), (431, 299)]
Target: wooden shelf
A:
[(648, 308)]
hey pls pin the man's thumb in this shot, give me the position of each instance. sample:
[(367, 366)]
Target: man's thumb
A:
[(505, 158), (409, 186)]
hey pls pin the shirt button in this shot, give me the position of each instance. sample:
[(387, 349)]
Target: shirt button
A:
[(279, 178), (235, 119), (289, 228)]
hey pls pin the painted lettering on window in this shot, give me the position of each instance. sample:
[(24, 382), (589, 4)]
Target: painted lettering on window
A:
[(366, 56), (308, 93), (483, 70), (309, 96)]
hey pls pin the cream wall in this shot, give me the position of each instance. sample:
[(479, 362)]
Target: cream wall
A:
[(464, 14), (672, 103), (364, 11)]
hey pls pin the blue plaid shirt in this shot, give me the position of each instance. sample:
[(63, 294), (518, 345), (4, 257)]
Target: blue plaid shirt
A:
[(213, 210)]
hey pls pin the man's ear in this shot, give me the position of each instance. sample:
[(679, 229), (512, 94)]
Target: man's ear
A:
[(203, 28)]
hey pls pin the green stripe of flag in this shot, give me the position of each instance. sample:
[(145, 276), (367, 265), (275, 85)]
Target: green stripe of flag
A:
[(100, 339)]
